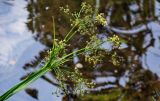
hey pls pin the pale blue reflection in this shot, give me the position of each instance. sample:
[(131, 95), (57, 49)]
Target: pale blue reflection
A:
[(17, 47)]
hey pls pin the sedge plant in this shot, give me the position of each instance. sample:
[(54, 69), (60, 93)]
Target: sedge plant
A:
[(56, 58), (84, 23)]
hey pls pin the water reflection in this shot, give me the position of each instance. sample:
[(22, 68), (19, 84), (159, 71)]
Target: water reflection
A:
[(136, 21), (17, 47)]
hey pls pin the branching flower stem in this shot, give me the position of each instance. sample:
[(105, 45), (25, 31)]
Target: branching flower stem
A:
[(57, 57), (52, 63)]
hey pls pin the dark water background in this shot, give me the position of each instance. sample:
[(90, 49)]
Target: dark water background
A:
[(26, 34)]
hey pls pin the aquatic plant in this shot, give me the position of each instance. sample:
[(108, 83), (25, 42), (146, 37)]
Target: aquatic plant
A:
[(83, 23)]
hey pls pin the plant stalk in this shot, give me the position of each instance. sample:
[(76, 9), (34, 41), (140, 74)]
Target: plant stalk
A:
[(33, 77)]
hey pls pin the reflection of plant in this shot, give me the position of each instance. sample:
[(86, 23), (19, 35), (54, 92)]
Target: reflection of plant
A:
[(84, 23)]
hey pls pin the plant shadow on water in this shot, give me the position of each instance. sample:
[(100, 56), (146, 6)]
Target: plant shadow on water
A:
[(135, 21)]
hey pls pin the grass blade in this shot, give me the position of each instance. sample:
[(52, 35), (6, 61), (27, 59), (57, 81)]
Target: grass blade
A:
[(23, 84)]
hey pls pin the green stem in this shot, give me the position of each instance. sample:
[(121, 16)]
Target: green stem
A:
[(70, 32), (54, 33), (33, 77), (71, 36)]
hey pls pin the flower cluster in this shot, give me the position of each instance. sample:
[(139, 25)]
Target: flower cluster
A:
[(84, 20), (115, 40), (65, 9), (94, 54), (80, 84), (115, 59), (101, 20)]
